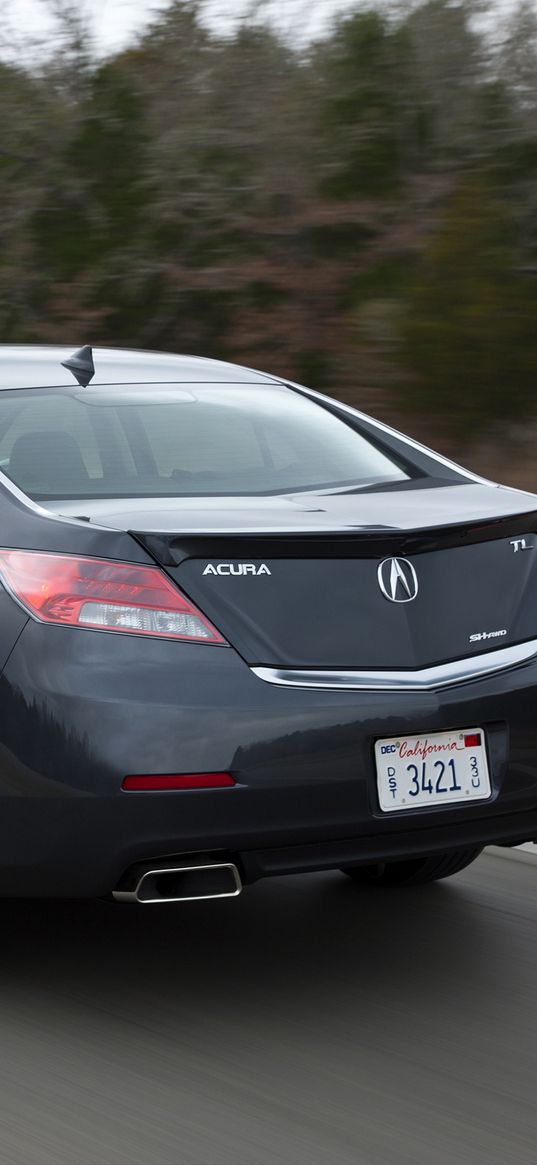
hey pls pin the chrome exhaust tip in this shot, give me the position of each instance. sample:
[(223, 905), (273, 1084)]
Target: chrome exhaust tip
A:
[(155, 883)]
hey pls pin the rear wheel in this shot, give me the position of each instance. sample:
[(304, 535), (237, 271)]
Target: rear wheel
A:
[(413, 871)]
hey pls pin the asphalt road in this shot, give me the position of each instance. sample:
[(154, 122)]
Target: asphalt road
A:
[(308, 1022)]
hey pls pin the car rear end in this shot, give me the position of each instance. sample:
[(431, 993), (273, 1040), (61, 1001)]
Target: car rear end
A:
[(201, 675)]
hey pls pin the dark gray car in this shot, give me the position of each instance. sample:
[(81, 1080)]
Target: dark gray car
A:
[(246, 630)]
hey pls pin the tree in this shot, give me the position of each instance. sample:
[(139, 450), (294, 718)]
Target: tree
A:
[(468, 327), (359, 118)]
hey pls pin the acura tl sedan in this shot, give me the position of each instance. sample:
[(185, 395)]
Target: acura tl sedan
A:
[(245, 631)]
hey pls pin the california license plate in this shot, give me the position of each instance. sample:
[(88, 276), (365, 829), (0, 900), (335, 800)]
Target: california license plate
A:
[(439, 769)]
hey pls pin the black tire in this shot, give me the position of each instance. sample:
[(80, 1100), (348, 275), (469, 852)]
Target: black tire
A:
[(413, 871)]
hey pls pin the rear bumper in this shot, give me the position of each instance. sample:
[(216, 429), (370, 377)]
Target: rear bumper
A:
[(82, 709), (61, 856), (358, 851)]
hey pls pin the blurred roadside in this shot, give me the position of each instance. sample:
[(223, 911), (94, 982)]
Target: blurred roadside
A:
[(359, 213)]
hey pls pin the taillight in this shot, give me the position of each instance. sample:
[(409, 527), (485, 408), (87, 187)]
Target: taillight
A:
[(113, 596)]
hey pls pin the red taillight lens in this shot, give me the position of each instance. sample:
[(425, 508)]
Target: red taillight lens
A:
[(93, 592), (178, 781)]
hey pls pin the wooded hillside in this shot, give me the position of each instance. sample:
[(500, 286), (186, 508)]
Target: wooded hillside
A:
[(359, 214)]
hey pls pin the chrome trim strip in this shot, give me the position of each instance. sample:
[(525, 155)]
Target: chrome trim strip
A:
[(52, 515), (443, 675), (27, 501)]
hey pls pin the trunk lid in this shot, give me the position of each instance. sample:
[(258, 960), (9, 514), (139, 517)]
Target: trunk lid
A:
[(308, 581)]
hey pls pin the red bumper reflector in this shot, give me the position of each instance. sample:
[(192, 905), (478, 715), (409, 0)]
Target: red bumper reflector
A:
[(473, 740), (178, 781)]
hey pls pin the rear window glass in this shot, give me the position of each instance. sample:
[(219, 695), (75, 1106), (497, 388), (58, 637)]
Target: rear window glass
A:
[(203, 440)]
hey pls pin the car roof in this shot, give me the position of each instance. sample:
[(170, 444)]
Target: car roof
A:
[(40, 366)]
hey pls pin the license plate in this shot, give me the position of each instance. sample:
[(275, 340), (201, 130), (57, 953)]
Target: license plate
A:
[(439, 769)]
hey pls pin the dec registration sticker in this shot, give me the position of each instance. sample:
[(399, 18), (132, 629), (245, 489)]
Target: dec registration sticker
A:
[(439, 769)]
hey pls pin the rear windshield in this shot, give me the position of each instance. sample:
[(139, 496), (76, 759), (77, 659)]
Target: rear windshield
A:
[(204, 440)]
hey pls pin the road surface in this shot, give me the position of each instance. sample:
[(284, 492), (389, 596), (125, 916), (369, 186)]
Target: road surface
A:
[(306, 1023)]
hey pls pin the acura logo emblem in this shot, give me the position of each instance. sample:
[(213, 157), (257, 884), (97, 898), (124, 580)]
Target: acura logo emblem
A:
[(398, 580)]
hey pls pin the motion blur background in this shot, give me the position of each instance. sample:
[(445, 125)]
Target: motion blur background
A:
[(343, 195)]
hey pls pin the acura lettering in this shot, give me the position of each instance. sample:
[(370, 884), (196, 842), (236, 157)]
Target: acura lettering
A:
[(236, 568)]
